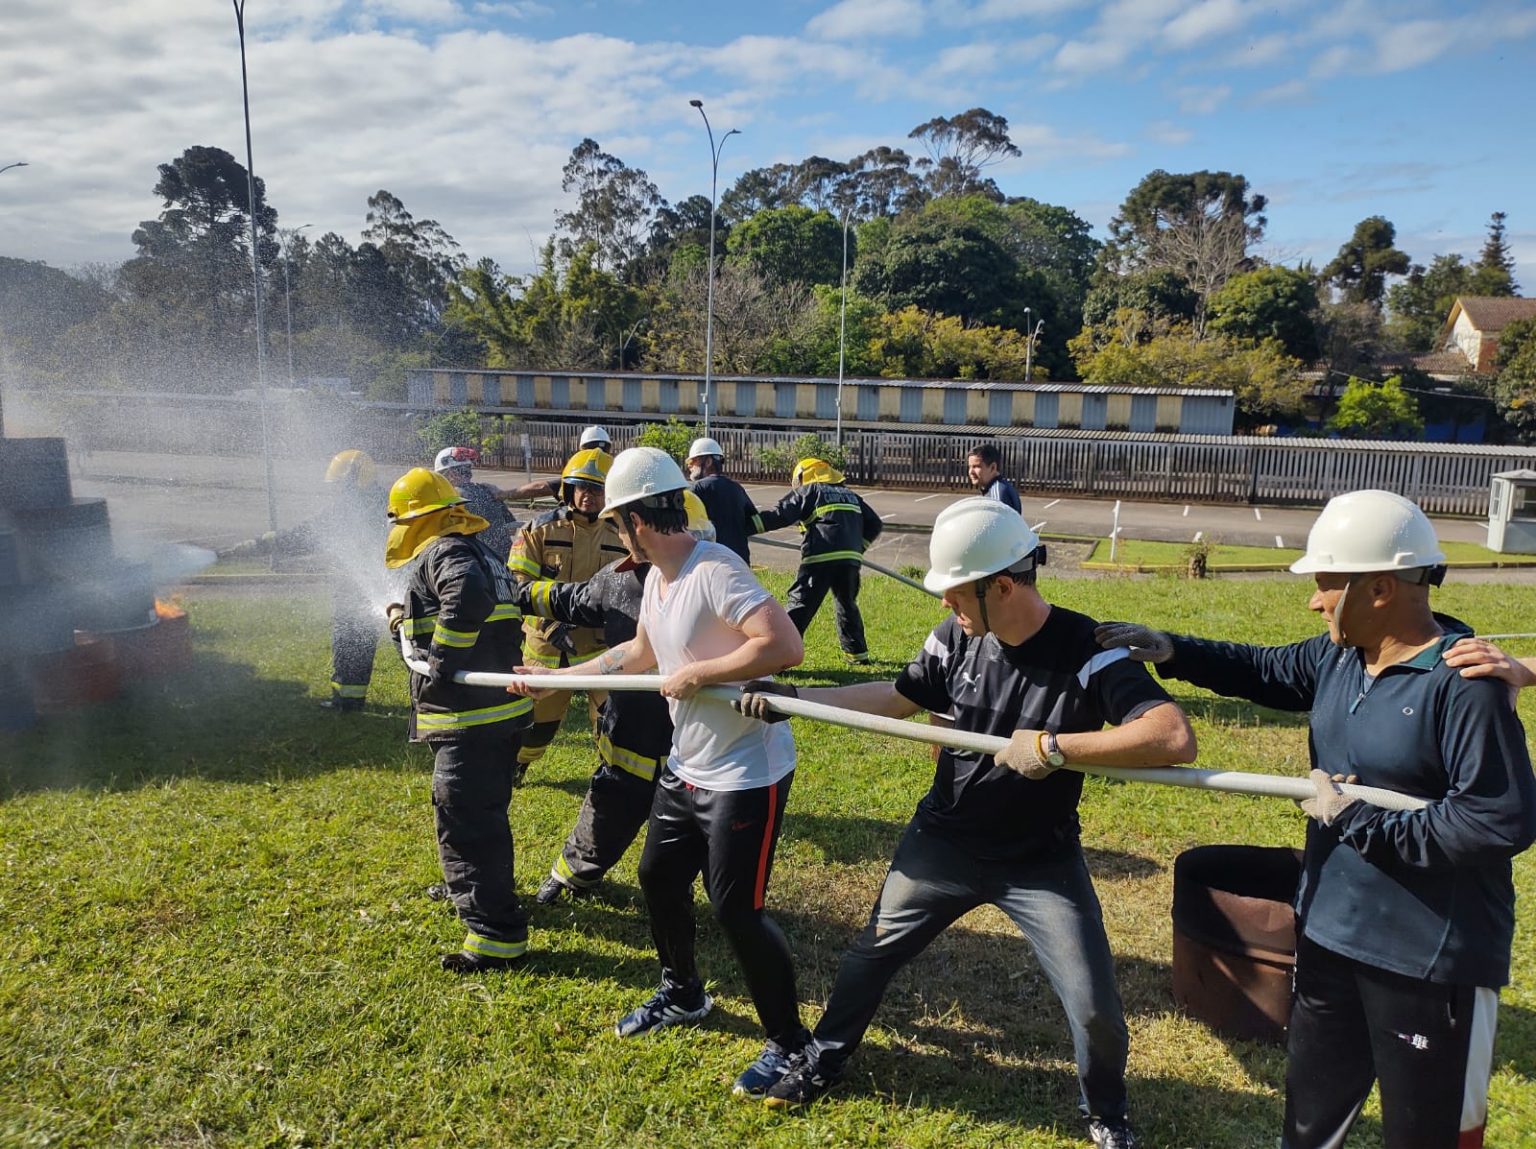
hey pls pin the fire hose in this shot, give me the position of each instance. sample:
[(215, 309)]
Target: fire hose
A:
[(874, 566), (1227, 781)]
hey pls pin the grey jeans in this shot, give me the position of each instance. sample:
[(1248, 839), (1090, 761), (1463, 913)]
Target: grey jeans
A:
[(932, 882)]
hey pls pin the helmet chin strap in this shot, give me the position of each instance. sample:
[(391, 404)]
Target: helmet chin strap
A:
[(983, 585), (1338, 610), (632, 541)]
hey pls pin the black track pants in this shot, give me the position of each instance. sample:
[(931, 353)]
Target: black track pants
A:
[(729, 837), (1430, 1046), (812, 582), (471, 790)]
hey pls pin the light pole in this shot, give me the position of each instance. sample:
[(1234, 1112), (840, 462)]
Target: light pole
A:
[(842, 323), (709, 305), (1029, 348), (288, 293), (8, 167), (261, 353)]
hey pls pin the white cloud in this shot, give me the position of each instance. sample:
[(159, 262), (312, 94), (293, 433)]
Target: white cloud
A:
[(966, 59), (1405, 46), (867, 19), (1043, 145), (1332, 61), (1202, 101), (1090, 57), (1000, 11), (1206, 20), (416, 11), (1258, 51), (1168, 132)]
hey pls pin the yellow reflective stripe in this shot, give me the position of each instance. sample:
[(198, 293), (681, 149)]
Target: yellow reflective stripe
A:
[(757, 521), (534, 658), (418, 626), (348, 690), (627, 760), (523, 566), (829, 508), (504, 612), (830, 556), (539, 593), (459, 720), (459, 639), (489, 947)]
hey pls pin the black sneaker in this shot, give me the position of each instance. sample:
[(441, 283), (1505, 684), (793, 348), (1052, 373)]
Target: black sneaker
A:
[(768, 1070), (669, 1005), (804, 1083), (551, 891), (464, 962), (1115, 1133)]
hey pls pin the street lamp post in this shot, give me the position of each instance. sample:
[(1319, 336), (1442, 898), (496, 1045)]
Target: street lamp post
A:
[(1029, 347), (8, 167), (288, 294), (842, 323), (709, 304), (261, 353)]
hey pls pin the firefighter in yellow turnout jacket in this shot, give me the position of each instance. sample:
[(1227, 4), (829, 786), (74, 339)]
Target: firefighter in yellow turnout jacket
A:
[(459, 614), (567, 545)]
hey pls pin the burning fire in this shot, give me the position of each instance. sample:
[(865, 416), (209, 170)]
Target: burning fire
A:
[(164, 610)]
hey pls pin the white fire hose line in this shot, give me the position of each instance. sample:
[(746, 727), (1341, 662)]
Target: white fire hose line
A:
[(874, 566), (1227, 781)]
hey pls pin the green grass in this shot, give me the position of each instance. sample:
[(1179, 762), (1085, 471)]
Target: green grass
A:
[(1145, 554), (212, 929)]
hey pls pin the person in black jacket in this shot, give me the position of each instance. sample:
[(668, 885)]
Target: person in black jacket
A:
[(1406, 917), (460, 613), (837, 525), (634, 731), (726, 502)]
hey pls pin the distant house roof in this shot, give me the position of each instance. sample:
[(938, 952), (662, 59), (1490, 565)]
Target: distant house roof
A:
[(1490, 314), (1442, 364)]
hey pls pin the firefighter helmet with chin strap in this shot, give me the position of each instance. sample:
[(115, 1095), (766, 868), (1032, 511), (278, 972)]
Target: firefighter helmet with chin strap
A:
[(814, 471), (420, 492), (587, 468), (353, 468)]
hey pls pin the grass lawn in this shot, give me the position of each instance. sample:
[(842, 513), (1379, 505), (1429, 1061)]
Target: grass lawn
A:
[(1133, 553), (213, 932)]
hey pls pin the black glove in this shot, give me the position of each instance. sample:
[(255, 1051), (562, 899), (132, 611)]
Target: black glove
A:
[(1144, 643), (395, 613), (754, 699), (561, 638)]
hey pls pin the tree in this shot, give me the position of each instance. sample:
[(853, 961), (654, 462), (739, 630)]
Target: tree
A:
[(1420, 303), (1365, 260), (880, 182), (916, 344), (1377, 411), (960, 147), (1135, 308), (615, 207), (1514, 389), (944, 264), (1271, 303), (753, 315), (1198, 225), (791, 243), (1494, 272)]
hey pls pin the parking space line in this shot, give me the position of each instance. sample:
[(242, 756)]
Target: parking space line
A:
[(1257, 515), (1279, 542), (1186, 510), (1198, 535), (1050, 504), (925, 498)]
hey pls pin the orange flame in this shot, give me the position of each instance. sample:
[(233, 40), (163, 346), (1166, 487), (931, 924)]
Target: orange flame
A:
[(168, 610)]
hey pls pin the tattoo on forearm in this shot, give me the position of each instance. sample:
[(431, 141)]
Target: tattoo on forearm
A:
[(610, 660)]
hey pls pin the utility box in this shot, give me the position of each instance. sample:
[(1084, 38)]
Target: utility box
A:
[(1512, 513)]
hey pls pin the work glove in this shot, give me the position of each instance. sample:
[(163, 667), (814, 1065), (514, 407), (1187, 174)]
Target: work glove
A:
[(395, 613), (561, 638), (1022, 755), (1143, 643), (1328, 803), (754, 699)]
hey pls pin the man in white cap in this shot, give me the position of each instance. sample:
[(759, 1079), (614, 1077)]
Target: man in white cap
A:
[(457, 464), (704, 620), (725, 500), (1001, 831), (1405, 918)]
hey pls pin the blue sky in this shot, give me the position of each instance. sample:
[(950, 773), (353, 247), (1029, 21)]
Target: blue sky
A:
[(466, 109)]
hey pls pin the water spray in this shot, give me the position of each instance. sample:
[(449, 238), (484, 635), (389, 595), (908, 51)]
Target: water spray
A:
[(1226, 781)]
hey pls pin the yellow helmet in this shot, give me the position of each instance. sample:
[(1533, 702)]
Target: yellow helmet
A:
[(352, 467), (420, 492), (699, 525), (814, 471), (589, 467)]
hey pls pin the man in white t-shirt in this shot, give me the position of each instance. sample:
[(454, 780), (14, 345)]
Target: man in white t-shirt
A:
[(706, 620)]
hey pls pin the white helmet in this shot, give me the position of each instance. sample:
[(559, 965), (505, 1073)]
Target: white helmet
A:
[(452, 458), (974, 538), (639, 473), (1369, 531), (595, 436), (705, 447)]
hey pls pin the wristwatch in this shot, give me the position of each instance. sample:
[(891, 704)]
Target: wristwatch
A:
[(1050, 753)]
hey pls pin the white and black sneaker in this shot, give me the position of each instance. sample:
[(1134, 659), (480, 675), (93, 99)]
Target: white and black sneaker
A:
[(1114, 1133), (669, 1005)]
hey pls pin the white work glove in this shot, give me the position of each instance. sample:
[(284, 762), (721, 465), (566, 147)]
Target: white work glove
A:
[(1022, 755), (1329, 802), (1143, 643)]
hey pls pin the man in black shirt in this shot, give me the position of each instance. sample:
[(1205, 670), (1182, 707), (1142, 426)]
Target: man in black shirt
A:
[(1001, 831), (726, 502)]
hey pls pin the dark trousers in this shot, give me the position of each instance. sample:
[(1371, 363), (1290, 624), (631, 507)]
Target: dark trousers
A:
[(1430, 1046), (471, 790), (812, 582), (729, 837), (615, 809), (931, 883), (354, 639)]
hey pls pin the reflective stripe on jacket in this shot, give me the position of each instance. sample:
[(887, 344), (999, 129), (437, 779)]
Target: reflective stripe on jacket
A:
[(836, 523), (563, 547)]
